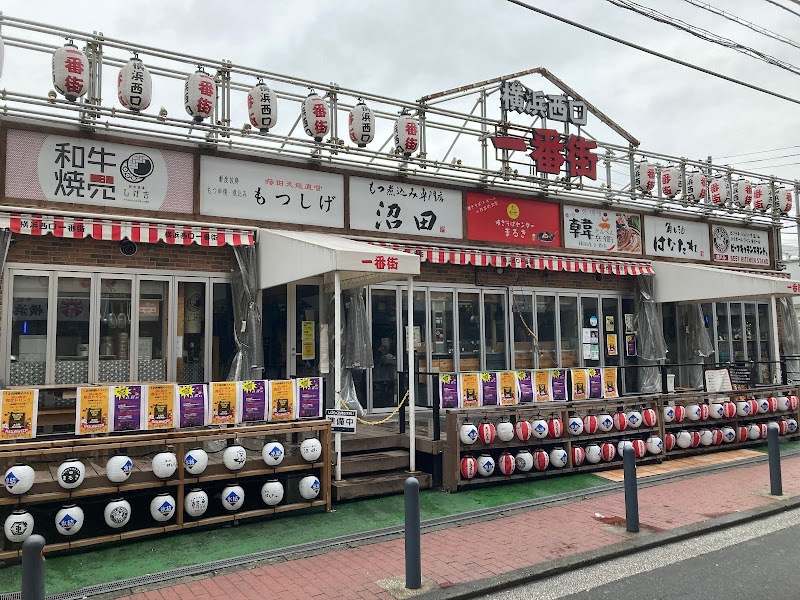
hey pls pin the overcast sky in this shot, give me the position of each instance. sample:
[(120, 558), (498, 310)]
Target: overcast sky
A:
[(416, 47)]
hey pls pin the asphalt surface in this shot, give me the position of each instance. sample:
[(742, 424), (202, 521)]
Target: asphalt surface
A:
[(755, 560)]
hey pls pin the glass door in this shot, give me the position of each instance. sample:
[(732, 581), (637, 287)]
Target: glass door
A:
[(723, 333), (611, 338), (568, 331), (420, 341), (114, 312), (223, 341), (737, 332), (192, 323), (495, 331), (304, 305), (30, 317), (152, 330), (590, 331), (73, 329), (469, 331), (522, 314), (383, 310), (766, 370), (546, 329), (274, 318), (443, 332)]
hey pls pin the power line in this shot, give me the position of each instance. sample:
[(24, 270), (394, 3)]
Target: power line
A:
[(704, 34), (757, 152), (786, 8), (744, 162), (776, 166), (677, 61)]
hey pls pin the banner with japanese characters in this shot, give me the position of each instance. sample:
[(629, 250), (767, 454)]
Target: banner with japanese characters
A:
[(84, 171), (20, 412), (309, 398), (610, 388), (192, 404), (580, 383), (254, 400), (508, 388), (599, 229), (282, 400), (740, 246), (161, 400), (558, 384), (513, 220), (489, 396), (525, 387), (676, 238), (595, 384), (470, 390), (263, 192), (448, 390), (224, 403), (126, 402), (543, 385), (92, 409), (413, 209)]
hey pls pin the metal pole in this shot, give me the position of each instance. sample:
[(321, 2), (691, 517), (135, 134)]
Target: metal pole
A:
[(413, 558), (412, 419), (775, 480), (337, 368), (631, 491), (776, 346), (33, 568)]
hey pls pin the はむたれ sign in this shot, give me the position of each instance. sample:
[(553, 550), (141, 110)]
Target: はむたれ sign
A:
[(676, 238)]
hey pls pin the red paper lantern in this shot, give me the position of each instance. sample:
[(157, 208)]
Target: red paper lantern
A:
[(578, 456), (555, 427), (486, 432), (70, 72), (649, 417), (695, 438), (607, 451), (729, 409), (669, 441), (469, 467), (523, 430), (590, 424), (680, 413), (540, 460), (620, 421), (506, 463)]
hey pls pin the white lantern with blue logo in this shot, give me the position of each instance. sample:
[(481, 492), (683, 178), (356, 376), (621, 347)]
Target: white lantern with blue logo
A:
[(134, 85), (232, 497), (119, 468), (19, 479), (162, 507), (273, 453), (262, 107), (195, 461), (309, 487), (69, 519), (361, 123)]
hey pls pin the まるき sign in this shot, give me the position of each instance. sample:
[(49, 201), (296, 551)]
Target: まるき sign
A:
[(512, 220)]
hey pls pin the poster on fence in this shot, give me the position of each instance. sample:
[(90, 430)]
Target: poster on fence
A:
[(309, 398), (448, 390), (489, 389), (558, 384), (254, 401), (525, 387), (595, 384), (508, 388), (20, 410), (92, 408), (281, 400), (542, 385), (126, 402), (470, 390), (610, 389), (160, 401), (223, 403), (580, 383), (192, 405)]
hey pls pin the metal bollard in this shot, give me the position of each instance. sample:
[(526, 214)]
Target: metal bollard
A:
[(413, 558), (775, 479), (631, 490), (33, 568)]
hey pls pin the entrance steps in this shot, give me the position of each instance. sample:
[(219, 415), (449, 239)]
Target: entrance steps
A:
[(378, 484)]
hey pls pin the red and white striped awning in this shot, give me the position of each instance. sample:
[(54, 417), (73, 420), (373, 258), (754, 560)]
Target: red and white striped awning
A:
[(516, 260), (136, 231)]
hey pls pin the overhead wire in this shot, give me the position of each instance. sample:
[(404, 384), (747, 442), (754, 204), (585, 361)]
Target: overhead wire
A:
[(756, 152), (743, 162), (786, 8)]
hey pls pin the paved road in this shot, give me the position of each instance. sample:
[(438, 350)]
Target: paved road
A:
[(756, 560)]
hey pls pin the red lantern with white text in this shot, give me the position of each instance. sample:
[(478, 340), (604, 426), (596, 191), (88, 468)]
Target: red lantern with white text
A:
[(316, 117), (671, 182), (199, 95), (680, 413), (793, 402), (716, 437), (361, 123), (134, 85), (506, 463), (406, 135), (469, 467), (523, 430), (70, 72), (729, 409), (590, 424), (608, 451), (649, 417), (555, 427), (620, 421), (669, 441), (695, 438), (541, 460), (262, 107), (743, 193), (486, 432), (578, 456), (718, 191)]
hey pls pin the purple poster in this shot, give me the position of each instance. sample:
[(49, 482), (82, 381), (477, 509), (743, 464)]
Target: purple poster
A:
[(558, 381), (489, 388), (192, 402), (525, 384), (630, 344), (309, 395), (448, 390), (127, 407), (254, 401), (595, 383)]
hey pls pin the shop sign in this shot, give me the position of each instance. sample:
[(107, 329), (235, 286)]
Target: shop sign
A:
[(84, 171), (676, 238), (558, 107), (262, 192), (405, 208), (603, 230), (740, 246), (513, 220)]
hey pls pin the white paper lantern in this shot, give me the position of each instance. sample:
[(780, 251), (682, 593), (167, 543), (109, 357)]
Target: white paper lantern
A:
[(784, 200), (361, 123), (272, 453), (468, 433), (232, 497), (762, 197), (69, 519), (693, 412), (783, 404), (539, 429), (311, 450), (695, 187), (272, 492), (262, 107), (593, 454), (70, 474), (753, 431), (716, 410), (706, 437), (119, 468), (524, 460), (671, 183), (199, 95), (575, 425), (309, 487), (195, 461), (70, 72), (117, 513), (486, 465), (719, 191), (316, 116), (505, 430), (604, 422), (196, 502), (728, 435), (162, 507), (406, 135), (645, 177), (654, 445), (134, 85), (558, 457), (683, 439), (634, 418), (234, 457), (19, 478), (165, 464), (743, 193), (18, 525)]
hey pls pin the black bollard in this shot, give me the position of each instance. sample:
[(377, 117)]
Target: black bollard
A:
[(775, 480), (631, 490), (33, 568), (413, 558)]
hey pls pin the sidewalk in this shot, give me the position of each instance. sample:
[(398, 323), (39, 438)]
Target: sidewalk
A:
[(469, 553)]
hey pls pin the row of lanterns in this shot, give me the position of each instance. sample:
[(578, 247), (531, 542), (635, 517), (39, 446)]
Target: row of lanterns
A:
[(135, 91), (117, 513), (70, 474), (729, 409), (685, 439), (743, 195)]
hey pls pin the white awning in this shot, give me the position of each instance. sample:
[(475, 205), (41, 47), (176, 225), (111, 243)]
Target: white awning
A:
[(677, 282), (286, 256)]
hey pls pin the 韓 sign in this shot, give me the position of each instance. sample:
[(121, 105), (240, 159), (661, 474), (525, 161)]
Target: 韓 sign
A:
[(740, 246), (512, 220), (342, 421), (598, 229), (676, 238)]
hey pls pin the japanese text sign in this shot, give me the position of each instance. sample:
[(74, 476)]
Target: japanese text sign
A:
[(516, 97), (406, 208), (676, 238), (20, 411), (257, 191), (599, 229), (512, 220), (741, 246)]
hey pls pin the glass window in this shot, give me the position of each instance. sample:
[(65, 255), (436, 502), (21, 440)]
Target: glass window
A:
[(29, 329), (611, 334), (192, 330), (223, 343), (669, 320), (153, 332), (274, 310), (72, 330), (628, 327), (546, 347), (384, 348), (591, 332), (708, 318), (723, 333), (766, 370), (568, 321), (420, 344), (751, 331), (737, 331), (522, 314), (494, 313), (442, 334), (115, 331), (469, 331), (307, 323)]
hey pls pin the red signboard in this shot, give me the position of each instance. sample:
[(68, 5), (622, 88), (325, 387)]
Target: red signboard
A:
[(513, 220)]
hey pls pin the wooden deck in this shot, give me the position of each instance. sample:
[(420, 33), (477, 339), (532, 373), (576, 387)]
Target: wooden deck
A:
[(676, 465)]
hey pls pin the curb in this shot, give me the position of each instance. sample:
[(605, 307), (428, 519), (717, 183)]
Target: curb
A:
[(505, 581)]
